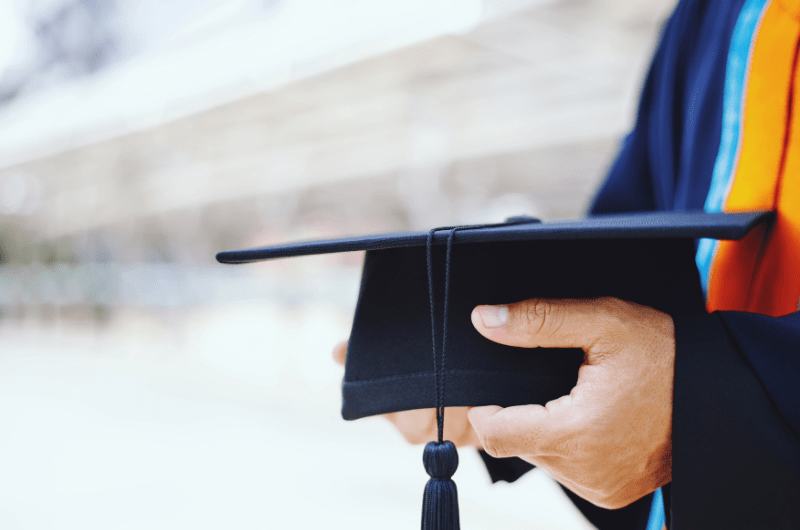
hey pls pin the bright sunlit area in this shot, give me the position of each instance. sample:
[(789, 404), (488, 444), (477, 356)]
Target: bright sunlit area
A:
[(145, 385)]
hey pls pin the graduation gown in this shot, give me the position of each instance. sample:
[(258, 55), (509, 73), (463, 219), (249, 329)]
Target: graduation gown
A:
[(718, 128)]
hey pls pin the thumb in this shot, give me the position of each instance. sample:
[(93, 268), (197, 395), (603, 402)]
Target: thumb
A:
[(549, 323)]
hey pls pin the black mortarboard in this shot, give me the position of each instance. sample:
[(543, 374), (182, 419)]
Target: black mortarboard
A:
[(410, 279)]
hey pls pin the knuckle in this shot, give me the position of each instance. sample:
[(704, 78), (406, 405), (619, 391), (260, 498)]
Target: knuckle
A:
[(608, 307), (602, 502), (611, 501), (489, 447), (609, 303), (540, 316), (611, 323), (494, 446), (610, 494)]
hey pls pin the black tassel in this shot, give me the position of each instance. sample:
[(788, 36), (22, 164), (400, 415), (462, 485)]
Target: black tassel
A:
[(440, 502)]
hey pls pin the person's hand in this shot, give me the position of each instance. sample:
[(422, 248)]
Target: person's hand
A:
[(419, 426), (610, 439)]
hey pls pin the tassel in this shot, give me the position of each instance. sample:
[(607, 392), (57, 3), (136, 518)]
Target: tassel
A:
[(440, 502)]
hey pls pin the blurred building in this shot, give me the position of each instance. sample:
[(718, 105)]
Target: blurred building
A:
[(520, 114)]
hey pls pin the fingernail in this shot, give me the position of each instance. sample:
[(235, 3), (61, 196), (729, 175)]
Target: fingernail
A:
[(493, 316)]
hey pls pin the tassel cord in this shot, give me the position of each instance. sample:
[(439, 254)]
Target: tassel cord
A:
[(439, 370), (444, 331), (440, 501), (439, 366), (439, 409)]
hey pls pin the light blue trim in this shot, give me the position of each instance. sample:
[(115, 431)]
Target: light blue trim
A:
[(706, 250), (736, 73), (657, 519)]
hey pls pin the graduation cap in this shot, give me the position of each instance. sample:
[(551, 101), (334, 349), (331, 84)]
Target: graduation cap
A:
[(412, 343)]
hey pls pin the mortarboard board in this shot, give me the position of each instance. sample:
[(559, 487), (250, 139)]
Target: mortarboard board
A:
[(417, 287)]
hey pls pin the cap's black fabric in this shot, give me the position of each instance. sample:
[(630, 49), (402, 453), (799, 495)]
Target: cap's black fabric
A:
[(389, 365), (643, 258)]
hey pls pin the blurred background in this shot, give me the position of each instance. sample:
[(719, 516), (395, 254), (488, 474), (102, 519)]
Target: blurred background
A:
[(143, 385)]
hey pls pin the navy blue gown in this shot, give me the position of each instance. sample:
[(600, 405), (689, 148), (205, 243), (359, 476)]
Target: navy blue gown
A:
[(736, 411)]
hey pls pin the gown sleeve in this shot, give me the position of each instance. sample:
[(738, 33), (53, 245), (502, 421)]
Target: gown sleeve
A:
[(736, 414)]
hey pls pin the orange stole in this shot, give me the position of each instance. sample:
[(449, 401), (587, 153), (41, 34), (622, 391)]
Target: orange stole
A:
[(761, 273)]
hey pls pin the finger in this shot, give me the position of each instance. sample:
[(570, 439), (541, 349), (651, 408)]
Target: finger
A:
[(458, 429), (417, 426), (340, 352), (549, 323), (516, 431)]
